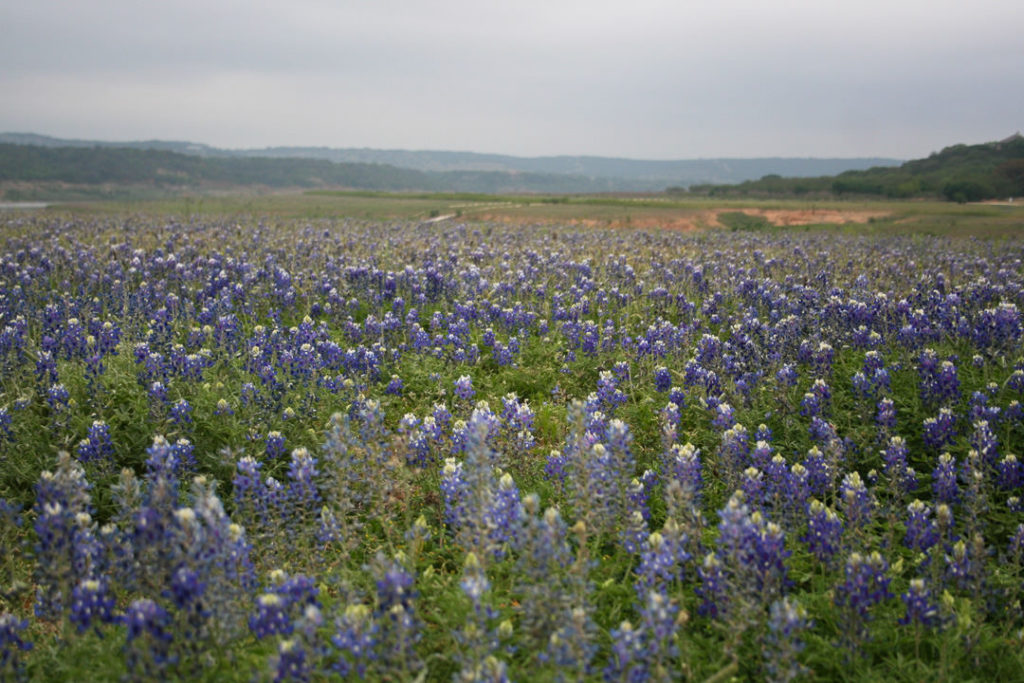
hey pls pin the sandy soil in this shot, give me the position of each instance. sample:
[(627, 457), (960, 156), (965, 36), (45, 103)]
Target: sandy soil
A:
[(703, 220)]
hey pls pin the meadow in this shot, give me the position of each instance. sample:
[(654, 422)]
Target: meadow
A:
[(246, 439)]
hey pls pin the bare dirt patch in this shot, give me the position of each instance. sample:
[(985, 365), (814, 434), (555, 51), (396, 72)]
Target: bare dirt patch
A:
[(691, 220)]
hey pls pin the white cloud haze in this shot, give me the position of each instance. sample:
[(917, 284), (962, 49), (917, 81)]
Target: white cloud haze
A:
[(645, 79)]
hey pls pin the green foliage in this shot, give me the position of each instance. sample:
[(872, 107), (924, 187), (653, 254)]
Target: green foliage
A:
[(966, 190), (961, 173), (738, 220)]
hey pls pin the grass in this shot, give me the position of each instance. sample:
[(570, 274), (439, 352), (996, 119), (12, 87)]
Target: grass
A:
[(898, 217)]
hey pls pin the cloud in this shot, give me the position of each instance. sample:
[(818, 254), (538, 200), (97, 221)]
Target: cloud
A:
[(651, 78)]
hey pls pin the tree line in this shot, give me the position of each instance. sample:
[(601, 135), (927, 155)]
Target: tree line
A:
[(961, 173)]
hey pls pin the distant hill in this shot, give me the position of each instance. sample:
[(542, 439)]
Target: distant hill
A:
[(644, 174), (51, 172), (959, 173), (577, 173)]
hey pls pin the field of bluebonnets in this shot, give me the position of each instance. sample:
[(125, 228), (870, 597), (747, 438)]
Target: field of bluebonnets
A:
[(394, 451)]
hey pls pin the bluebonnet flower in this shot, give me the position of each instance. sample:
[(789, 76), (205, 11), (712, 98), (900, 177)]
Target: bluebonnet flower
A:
[(873, 362), (97, 445), (761, 455), (274, 445), (725, 417), (148, 640), (944, 523), (621, 370), (628, 656), (947, 382), (542, 559), (186, 589), (964, 566), (609, 395), (1015, 381), (57, 397), (223, 408), (517, 428), (748, 569), (302, 474), (734, 453), (787, 375), (46, 369), (12, 643), (662, 379), (91, 605), (940, 431), (817, 400), (298, 590), (1016, 544), (856, 501), (753, 486), (633, 531), (822, 359), (1010, 473), (682, 463), (480, 641), (464, 388), (442, 417), (894, 459), (791, 491), (184, 456), (355, 639), (395, 386), (271, 616), (481, 502), (659, 624), (786, 489), (985, 443), (885, 417), (820, 474), (181, 412), (280, 608), (944, 479), (920, 607), (65, 548), (292, 661), (714, 589), (865, 585), (824, 532), (921, 532), (572, 646), (662, 559), (862, 385), (678, 397), (1014, 413), (781, 644), (810, 406), (158, 396), (603, 479), (395, 613), (250, 501), (822, 432)]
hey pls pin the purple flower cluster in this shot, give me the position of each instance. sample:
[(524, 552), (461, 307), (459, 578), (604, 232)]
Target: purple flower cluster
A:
[(865, 586)]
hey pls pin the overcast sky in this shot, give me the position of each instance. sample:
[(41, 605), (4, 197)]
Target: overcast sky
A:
[(650, 79)]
